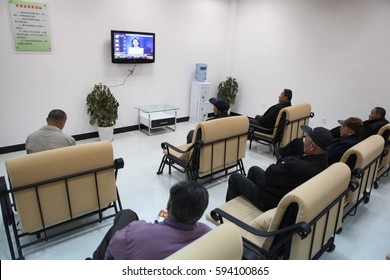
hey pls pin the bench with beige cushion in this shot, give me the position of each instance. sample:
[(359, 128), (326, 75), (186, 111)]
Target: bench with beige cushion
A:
[(302, 226), (363, 160), (384, 164), (52, 188), (218, 146), (287, 127), (221, 243)]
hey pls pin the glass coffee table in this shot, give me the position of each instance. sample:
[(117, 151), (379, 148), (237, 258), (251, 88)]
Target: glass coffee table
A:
[(157, 116)]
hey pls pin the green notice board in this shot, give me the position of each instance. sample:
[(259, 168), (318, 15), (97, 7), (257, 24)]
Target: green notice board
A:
[(30, 26)]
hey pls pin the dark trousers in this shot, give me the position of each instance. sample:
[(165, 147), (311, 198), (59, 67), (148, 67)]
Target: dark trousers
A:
[(122, 219), (189, 136), (255, 124), (252, 187)]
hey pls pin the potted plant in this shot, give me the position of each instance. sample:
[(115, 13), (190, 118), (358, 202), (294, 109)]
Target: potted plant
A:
[(103, 110), (227, 90)]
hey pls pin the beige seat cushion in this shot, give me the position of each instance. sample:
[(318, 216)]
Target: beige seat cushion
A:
[(183, 156), (242, 209), (62, 162)]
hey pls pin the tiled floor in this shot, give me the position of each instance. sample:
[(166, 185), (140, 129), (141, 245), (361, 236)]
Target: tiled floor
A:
[(365, 236)]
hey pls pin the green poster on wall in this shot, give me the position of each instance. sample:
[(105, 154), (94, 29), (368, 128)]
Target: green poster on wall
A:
[(30, 26)]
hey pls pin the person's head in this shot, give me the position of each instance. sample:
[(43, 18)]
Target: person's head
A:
[(187, 202), (350, 126), (220, 105), (56, 118), (285, 95), (317, 140), (377, 113), (135, 42)]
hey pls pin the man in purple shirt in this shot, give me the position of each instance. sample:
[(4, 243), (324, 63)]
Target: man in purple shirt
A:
[(133, 239)]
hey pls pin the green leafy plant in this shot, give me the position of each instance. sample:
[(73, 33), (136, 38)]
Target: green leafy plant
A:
[(228, 90), (102, 106)]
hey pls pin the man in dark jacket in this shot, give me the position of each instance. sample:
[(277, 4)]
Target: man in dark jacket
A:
[(265, 189), (350, 131), (268, 120), (376, 119)]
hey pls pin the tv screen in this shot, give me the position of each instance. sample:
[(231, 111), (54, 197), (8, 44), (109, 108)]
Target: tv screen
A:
[(132, 47)]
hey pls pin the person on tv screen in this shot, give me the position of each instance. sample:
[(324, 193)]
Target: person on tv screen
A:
[(135, 50)]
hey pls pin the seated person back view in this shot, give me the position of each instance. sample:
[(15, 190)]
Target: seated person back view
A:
[(376, 119), (220, 109), (50, 136), (133, 239), (268, 119), (264, 189)]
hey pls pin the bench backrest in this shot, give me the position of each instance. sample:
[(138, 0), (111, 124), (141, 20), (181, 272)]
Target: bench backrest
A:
[(40, 204), (384, 131), (221, 243), (296, 115), (364, 156), (224, 142)]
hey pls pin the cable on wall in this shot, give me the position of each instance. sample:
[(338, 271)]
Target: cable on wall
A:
[(131, 71)]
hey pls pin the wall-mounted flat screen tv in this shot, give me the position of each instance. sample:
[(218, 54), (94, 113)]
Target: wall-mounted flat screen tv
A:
[(132, 47)]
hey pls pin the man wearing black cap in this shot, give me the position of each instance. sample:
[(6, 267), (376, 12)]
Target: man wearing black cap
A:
[(221, 108), (265, 189)]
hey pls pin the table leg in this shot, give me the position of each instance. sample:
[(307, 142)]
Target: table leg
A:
[(150, 123), (175, 119), (139, 120)]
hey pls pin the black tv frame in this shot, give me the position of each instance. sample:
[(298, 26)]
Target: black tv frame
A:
[(133, 60)]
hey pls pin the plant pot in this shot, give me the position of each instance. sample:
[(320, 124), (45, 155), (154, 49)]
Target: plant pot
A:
[(106, 133)]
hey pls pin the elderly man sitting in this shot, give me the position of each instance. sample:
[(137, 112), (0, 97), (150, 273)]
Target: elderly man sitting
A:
[(265, 189)]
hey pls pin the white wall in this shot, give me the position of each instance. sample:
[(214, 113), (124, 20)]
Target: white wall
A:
[(187, 32), (332, 53)]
